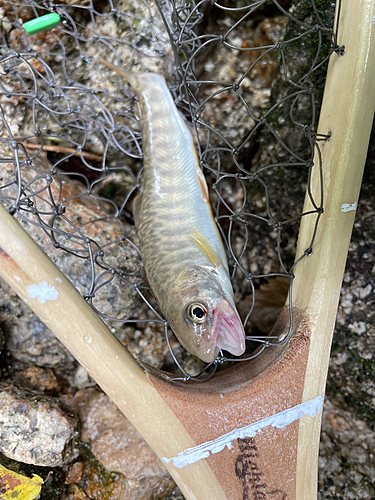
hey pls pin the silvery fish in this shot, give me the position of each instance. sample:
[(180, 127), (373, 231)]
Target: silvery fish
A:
[(182, 252)]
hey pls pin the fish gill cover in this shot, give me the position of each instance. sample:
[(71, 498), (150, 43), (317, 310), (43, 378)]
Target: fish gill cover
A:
[(247, 76)]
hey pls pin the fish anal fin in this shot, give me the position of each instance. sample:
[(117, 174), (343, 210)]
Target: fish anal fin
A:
[(137, 202), (207, 248)]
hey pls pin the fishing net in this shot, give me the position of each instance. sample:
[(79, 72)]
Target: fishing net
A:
[(247, 76)]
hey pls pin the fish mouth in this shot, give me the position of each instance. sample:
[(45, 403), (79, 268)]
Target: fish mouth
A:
[(228, 331)]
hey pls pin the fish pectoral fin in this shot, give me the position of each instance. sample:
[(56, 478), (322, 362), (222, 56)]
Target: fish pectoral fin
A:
[(137, 208), (137, 110), (207, 248)]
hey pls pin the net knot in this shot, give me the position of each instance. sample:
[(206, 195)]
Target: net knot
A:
[(338, 49), (307, 130)]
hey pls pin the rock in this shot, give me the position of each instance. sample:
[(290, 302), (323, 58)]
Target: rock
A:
[(346, 462), (35, 429), (225, 112), (42, 379), (119, 447), (82, 379), (74, 474), (30, 341)]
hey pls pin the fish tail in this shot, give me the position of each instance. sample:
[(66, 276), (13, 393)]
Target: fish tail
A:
[(132, 78)]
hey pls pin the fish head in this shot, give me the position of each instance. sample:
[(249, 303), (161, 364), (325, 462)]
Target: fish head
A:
[(203, 316)]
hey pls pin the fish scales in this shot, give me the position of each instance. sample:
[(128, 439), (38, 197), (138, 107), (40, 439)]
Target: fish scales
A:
[(173, 205), (182, 251)]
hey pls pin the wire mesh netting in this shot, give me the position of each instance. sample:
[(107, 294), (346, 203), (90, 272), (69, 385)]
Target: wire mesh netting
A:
[(248, 77)]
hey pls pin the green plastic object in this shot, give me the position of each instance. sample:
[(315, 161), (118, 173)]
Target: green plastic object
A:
[(43, 23)]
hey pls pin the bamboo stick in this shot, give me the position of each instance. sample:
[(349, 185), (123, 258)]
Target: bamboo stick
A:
[(347, 112)]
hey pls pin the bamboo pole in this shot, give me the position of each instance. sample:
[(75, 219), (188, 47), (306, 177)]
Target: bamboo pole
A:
[(347, 113)]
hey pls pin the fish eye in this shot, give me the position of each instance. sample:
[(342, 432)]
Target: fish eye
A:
[(197, 313)]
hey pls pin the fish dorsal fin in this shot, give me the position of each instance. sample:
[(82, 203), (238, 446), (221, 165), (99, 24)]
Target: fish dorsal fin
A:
[(207, 248), (203, 183)]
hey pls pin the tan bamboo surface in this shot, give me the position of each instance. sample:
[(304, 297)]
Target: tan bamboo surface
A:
[(279, 462), (347, 113)]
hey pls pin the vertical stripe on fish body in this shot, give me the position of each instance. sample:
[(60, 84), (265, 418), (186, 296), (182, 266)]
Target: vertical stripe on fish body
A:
[(182, 252)]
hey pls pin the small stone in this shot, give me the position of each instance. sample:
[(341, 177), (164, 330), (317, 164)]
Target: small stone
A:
[(7, 26), (338, 422), (82, 379), (74, 473), (341, 358), (35, 429), (75, 493), (357, 327), (42, 379), (364, 292)]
